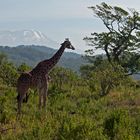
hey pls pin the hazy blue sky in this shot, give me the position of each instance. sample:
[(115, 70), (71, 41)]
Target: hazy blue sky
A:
[(58, 19)]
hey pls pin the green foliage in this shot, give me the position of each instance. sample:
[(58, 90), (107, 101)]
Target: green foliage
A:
[(61, 76), (73, 112), (71, 115), (121, 40), (102, 76), (73, 128), (120, 120), (85, 71), (131, 62), (93, 62), (6, 105), (8, 73), (23, 68), (107, 76)]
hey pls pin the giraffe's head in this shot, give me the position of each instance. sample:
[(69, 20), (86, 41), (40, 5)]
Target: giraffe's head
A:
[(67, 44)]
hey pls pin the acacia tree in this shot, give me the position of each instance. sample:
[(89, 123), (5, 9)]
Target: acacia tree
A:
[(121, 41)]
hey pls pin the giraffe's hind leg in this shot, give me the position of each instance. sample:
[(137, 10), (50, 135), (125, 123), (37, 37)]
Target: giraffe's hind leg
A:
[(23, 85), (45, 90), (43, 94), (21, 95), (44, 97), (40, 97)]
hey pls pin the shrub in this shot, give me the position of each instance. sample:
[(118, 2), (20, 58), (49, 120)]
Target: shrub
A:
[(78, 128), (23, 68), (120, 125), (107, 76), (8, 73)]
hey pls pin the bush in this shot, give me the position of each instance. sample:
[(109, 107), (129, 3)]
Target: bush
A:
[(106, 76), (120, 125), (62, 76), (5, 106), (79, 128), (23, 68), (8, 73)]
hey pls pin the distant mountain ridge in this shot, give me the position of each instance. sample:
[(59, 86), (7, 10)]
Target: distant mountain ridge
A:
[(25, 37), (32, 54)]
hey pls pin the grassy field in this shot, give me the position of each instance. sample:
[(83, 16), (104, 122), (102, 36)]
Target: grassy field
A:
[(73, 113)]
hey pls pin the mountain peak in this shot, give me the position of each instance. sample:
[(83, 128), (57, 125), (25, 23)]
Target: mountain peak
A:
[(25, 37)]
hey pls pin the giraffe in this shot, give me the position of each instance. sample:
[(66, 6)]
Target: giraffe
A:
[(38, 77)]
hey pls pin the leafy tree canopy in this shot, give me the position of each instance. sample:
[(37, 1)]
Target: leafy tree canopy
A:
[(121, 41)]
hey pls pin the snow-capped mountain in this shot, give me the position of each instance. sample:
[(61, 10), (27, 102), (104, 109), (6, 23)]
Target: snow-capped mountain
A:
[(25, 37)]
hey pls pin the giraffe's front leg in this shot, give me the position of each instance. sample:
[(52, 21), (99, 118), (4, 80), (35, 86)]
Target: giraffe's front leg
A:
[(40, 97), (45, 95)]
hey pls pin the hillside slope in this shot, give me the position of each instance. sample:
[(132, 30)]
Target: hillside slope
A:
[(32, 54)]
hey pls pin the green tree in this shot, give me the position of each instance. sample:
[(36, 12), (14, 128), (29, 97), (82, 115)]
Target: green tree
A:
[(23, 68), (8, 73), (121, 40), (107, 76), (93, 62)]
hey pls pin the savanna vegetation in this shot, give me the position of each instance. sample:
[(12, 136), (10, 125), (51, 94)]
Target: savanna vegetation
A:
[(100, 103)]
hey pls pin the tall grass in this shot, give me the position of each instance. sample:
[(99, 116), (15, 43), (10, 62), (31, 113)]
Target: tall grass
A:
[(74, 114)]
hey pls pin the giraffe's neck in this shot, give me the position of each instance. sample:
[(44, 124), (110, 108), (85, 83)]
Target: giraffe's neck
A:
[(45, 66), (53, 60)]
